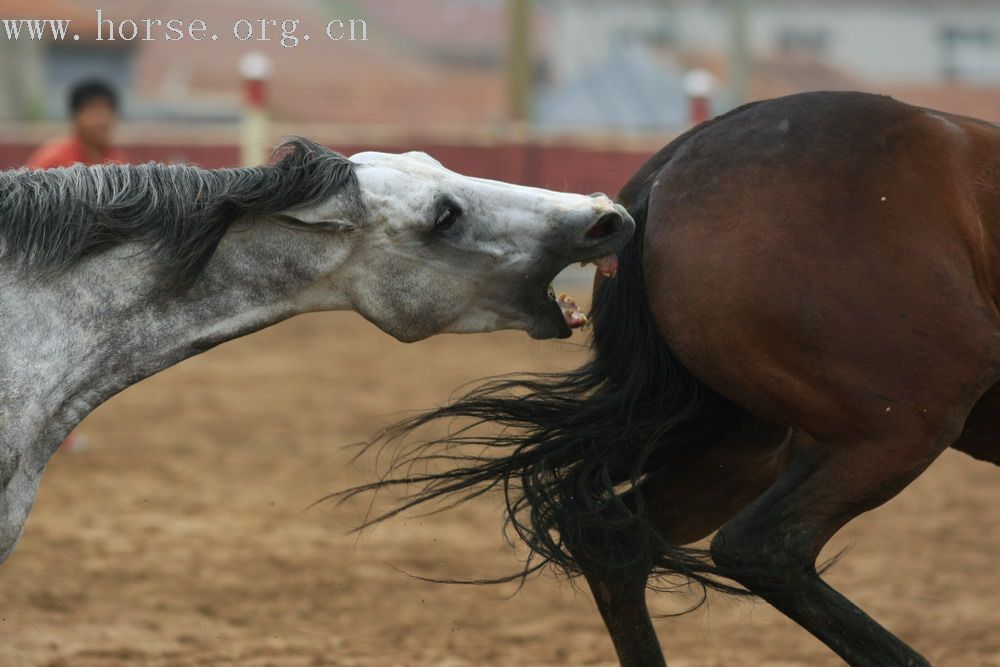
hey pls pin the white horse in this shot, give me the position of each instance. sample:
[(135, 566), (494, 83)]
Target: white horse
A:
[(110, 274)]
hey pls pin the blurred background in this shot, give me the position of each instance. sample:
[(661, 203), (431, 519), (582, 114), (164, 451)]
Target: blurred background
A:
[(568, 94)]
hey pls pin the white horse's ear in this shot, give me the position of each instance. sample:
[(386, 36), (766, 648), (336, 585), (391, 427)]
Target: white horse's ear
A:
[(316, 223), (326, 216)]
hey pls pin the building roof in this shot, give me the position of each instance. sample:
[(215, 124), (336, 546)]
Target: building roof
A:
[(379, 81), (461, 30), (631, 90), (44, 9), (82, 16)]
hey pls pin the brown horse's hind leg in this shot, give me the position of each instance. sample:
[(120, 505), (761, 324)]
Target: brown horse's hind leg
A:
[(620, 594), (981, 436), (621, 599), (692, 494), (771, 547)]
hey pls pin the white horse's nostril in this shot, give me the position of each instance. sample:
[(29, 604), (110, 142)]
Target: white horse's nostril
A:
[(606, 225)]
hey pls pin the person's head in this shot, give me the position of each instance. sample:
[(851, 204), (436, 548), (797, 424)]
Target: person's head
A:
[(93, 106)]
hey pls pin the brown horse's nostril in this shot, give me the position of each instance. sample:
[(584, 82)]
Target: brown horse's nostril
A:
[(607, 224)]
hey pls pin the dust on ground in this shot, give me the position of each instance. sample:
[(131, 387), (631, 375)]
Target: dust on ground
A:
[(183, 535)]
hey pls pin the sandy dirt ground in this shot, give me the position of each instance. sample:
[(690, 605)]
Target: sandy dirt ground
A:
[(183, 536)]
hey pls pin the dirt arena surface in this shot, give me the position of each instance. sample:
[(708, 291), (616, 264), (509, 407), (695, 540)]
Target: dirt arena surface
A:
[(181, 535)]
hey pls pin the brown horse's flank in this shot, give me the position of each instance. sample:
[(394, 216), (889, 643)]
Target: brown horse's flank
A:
[(807, 317), (859, 309)]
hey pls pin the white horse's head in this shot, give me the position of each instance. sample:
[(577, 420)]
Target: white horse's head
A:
[(440, 252)]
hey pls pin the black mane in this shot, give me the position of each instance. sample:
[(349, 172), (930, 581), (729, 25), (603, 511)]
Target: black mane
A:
[(51, 219), (574, 447)]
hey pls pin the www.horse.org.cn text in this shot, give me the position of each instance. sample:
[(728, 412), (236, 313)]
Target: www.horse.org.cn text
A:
[(289, 33)]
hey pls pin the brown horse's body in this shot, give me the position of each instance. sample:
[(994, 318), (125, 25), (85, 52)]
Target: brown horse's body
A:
[(807, 317), (831, 264), (850, 249)]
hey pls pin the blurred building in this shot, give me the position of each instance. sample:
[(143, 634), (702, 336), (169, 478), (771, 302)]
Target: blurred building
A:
[(600, 65), (942, 53), (880, 42)]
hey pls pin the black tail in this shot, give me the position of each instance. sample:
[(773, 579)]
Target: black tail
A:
[(574, 447)]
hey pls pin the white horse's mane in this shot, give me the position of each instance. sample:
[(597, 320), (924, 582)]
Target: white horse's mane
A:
[(52, 218)]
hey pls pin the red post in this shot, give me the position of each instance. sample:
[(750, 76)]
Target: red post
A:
[(698, 85), (255, 68)]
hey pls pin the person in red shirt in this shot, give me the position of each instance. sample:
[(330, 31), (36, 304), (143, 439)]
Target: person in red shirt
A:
[(93, 107)]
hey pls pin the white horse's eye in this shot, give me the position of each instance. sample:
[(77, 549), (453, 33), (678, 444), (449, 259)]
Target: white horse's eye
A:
[(448, 216)]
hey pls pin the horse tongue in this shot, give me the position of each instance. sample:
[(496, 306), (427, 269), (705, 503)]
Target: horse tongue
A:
[(608, 266), (574, 318)]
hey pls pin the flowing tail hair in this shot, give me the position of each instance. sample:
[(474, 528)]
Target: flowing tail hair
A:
[(573, 448)]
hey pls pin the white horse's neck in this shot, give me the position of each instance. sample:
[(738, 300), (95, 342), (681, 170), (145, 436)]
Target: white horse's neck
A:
[(69, 344), (105, 326)]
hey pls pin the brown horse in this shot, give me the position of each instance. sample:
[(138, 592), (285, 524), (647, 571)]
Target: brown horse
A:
[(806, 318)]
